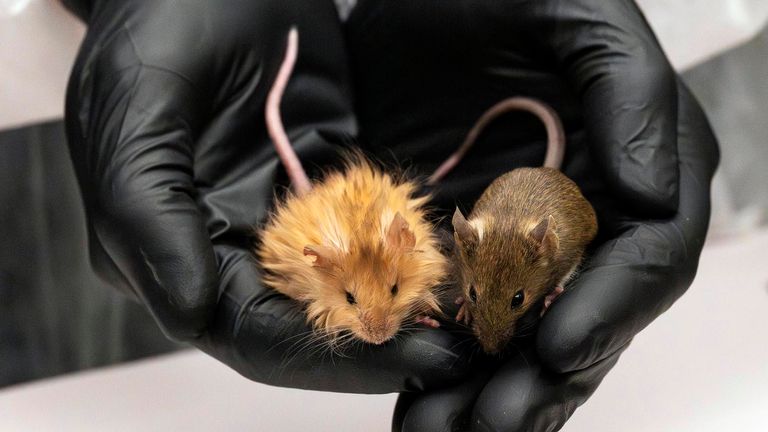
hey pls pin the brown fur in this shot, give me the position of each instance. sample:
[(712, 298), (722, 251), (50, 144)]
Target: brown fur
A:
[(527, 232), (355, 242)]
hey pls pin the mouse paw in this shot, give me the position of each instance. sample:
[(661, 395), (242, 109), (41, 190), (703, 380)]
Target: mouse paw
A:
[(463, 315), (427, 321), (550, 298)]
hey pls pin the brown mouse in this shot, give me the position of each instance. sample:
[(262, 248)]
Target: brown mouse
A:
[(523, 239), (355, 248)]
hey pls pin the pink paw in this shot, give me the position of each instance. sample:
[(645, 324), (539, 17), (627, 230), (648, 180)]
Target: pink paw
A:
[(463, 314), (427, 321), (550, 298)]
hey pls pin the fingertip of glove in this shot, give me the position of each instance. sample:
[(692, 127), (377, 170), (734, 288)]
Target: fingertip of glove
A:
[(416, 413), (513, 400), (191, 296), (568, 346), (434, 359), (192, 315)]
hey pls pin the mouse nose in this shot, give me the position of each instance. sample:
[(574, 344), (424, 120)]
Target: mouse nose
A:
[(492, 344), (378, 335), (490, 349), (377, 326)]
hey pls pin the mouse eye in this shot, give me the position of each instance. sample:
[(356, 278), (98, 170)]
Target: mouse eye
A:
[(517, 299), (394, 289), (350, 298), (473, 294)]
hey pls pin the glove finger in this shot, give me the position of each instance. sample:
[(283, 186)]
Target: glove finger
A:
[(633, 278), (525, 396), (440, 410), (628, 94), (521, 395), (133, 153), (264, 336)]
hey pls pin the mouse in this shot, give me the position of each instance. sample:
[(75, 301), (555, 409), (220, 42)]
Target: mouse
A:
[(356, 247), (524, 238)]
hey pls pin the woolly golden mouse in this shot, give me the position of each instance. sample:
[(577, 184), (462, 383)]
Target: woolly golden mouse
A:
[(355, 248)]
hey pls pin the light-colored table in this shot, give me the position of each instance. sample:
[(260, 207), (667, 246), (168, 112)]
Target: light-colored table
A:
[(701, 367)]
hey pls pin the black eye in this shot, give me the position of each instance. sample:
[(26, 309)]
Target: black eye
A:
[(518, 298), (473, 294), (394, 289), (350, 298)]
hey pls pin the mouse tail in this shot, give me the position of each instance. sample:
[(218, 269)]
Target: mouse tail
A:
[(275, 128), (547, 115)]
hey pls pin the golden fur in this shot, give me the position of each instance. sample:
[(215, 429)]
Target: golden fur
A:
[(344, 236)]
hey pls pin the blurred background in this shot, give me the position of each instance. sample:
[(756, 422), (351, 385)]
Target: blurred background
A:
[(702, 366)]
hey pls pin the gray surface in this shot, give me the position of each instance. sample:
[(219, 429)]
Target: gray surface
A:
[(55, 315), (733, 88)]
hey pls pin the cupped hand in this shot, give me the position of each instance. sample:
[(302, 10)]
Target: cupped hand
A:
[(164, 116), (638, 145)]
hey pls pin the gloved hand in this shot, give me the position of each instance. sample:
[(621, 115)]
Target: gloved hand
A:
[(637, 144), (165, 122)]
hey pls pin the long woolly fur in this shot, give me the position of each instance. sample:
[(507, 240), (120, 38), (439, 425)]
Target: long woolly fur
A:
[(351, 210)]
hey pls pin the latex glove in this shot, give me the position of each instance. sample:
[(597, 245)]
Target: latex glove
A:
[(165, 123), (638, 145)]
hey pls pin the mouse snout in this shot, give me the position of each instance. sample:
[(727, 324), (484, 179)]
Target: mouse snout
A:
[(492, 347), (492, 343), (377, 326)]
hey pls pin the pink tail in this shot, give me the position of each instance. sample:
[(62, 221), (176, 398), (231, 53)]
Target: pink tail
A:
[(275, 127), (555, 134)]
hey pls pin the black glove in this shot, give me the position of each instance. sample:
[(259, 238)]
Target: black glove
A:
[(638, 145), (165, 123)]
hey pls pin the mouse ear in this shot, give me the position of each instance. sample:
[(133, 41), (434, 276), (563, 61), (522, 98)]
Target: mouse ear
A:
[(400, 235), (464, 233), (544, 235), (325, 256)]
